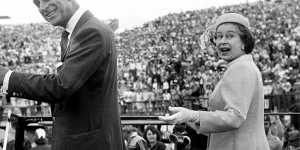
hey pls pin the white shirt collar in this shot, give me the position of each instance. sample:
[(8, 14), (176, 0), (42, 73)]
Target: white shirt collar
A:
[(74, 20)]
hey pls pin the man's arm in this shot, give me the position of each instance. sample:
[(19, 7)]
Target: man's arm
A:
[(87, 52), (5, 81)]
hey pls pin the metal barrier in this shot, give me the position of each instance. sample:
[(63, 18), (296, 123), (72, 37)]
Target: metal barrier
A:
[(146, 112), (160, 107), (20, 123), (280, 103)]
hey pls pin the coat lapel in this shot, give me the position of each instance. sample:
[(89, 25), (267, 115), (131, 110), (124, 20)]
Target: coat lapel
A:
[(84, 18)]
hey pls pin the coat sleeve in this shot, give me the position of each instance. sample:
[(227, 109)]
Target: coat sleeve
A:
[(88, 50), (236, 91)]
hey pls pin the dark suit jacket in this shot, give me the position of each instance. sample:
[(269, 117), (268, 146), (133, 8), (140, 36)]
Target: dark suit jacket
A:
[(84, 90)]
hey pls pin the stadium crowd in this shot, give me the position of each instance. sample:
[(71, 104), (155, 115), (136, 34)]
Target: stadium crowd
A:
[(167, 57), (166, 60)]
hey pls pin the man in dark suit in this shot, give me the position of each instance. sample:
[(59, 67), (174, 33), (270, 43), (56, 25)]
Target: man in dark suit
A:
[(84, 90)]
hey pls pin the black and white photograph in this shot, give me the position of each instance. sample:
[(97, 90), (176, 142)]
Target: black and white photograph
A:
[(150, 75)]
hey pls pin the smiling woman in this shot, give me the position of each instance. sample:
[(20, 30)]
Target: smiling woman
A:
[(233, 39), (235, 120), (228, 42)]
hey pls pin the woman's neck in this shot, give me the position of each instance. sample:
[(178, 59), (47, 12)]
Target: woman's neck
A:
[(153, 143)]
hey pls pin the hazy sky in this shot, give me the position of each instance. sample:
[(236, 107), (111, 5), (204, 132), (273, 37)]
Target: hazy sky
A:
[(131, 13)]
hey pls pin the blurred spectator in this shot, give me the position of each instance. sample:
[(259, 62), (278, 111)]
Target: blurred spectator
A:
[(41, 140), (153, 136), (293, 131), (274, 142), (134, 139)]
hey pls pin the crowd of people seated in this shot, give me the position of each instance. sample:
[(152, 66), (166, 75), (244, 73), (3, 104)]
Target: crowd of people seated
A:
[(166, 60), (165, 57)]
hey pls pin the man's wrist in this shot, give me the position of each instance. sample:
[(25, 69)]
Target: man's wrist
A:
[(4, 87), (3, 91)]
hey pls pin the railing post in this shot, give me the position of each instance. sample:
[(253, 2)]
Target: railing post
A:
[(19, 125)]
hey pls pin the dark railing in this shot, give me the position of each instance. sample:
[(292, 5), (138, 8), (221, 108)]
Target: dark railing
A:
[(146, 112), (278, 103), (20, 123), (160, 107), (281, 103)]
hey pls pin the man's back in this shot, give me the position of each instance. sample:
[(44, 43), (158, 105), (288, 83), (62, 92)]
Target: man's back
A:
[(84, 90)]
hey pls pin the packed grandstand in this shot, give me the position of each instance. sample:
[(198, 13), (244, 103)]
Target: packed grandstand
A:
[(165, 62)]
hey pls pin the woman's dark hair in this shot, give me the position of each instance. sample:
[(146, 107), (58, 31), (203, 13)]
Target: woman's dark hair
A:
[(245, 35), (154, 130)]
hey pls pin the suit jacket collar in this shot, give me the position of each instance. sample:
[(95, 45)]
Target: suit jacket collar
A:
[(74, 19), (83, 19)]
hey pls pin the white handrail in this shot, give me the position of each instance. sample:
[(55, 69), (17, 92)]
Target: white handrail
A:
[(7, 127)]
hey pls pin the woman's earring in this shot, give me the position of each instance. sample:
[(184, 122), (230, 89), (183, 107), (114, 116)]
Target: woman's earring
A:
[(243, 48)]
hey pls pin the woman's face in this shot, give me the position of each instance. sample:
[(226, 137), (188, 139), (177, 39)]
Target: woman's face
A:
[(228, 42), (152, 137)]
